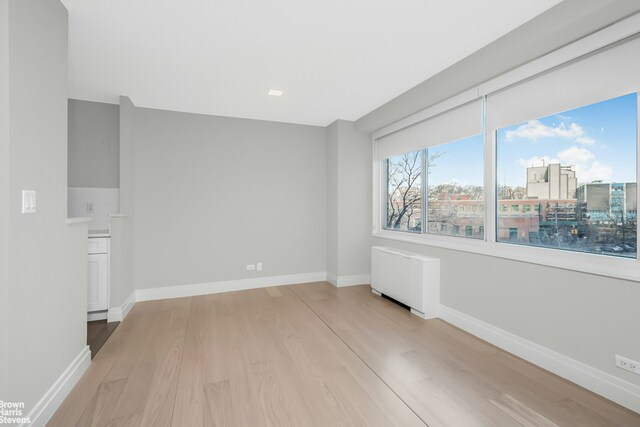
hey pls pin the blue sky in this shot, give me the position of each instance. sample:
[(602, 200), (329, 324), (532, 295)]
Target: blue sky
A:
[(599, 140), (460, 162)]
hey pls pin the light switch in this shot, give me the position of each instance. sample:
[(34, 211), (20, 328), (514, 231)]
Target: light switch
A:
[(28, 201)]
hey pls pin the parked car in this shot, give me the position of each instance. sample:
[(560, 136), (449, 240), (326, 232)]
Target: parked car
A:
[(612, 248), (628, 248)]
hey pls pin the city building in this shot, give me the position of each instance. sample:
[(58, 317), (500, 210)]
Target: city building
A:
[(552, 181), (608, 202)]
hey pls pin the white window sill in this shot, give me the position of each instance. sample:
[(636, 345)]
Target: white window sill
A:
[(603, 265)]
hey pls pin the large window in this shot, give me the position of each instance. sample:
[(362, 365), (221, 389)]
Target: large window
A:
[(554, 172), (578, 171), (454, 193)]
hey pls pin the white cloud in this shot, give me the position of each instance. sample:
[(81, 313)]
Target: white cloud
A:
[(594, 171), (584, 162), (575, 155), (535, 130)]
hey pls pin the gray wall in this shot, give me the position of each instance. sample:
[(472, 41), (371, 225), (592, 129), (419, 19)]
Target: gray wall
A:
[(589, 318), (4, 198), (122, 229), (332, 198), (348, 206), (48, 258), (94, 144), (354, 204), (212, 194), (557, 27)]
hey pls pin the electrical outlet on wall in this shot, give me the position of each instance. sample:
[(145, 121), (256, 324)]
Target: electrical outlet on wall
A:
[(28, 201), (251, 267), (628, 364), (90, 207), (259, 266)]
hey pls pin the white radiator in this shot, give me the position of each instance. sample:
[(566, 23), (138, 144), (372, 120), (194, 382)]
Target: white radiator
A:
[(410, 278)]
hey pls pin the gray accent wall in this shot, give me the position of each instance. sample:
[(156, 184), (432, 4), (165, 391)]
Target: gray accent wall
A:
[(213, 194), (348, 206), (47, 273), (94, 144), (586, 317)]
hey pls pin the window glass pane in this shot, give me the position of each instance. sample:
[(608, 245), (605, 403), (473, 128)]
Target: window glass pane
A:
[(404, 192), (455, 188), (574, 177)]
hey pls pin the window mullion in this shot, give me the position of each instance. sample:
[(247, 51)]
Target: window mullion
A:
[(425, 191), (490, 179), (637, 168)]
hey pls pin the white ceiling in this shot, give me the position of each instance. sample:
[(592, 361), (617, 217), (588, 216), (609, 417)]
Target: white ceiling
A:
[(333, 58)]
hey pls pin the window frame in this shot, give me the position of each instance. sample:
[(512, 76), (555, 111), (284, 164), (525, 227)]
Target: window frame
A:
[(609, 266), (385, 195), (424, 198)]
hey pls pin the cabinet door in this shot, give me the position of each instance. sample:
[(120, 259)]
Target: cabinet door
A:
[(98, 282)]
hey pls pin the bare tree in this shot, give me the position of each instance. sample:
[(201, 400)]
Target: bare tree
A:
[(621, 227), (404, 195), (404, 179)]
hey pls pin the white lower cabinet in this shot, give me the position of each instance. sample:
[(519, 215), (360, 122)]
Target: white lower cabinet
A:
[(98, 282), (98, 275)]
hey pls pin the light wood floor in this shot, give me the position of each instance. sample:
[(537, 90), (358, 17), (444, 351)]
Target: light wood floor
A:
[(312, 354)]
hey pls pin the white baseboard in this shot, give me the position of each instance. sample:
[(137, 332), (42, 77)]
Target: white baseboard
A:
[(332, 278), (97, 315), (600, 382), (49, 403), (180, 291), (351, 280), (117, 314)]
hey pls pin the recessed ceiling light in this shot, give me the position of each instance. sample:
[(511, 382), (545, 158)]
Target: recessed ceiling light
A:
[(275, 92)]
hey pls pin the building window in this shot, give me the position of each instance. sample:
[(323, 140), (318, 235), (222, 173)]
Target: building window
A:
[(454, 175), (513, 233), (468, 231), (526, 208), (580, 168), (515, 208), (404, 192)]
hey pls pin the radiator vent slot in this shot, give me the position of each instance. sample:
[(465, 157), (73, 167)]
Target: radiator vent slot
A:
[(396, 302), (411, 279)]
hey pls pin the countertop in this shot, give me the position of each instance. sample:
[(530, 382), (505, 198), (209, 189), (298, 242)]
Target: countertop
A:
[(99, 233)]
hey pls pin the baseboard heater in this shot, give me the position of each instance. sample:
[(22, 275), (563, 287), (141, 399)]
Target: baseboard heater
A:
[(410, 278)]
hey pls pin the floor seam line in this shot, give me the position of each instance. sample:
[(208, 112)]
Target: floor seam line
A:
[(184, 345), (357, 355)]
